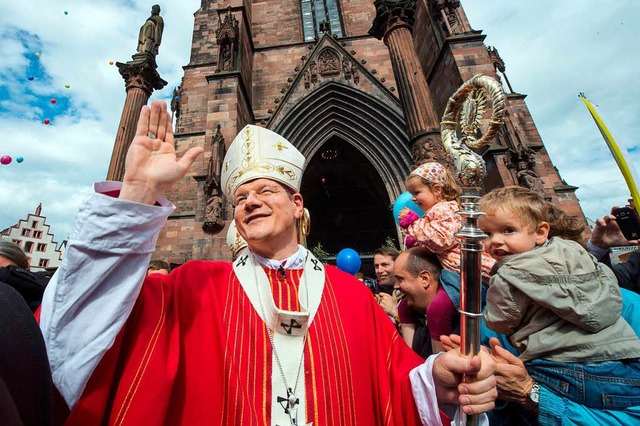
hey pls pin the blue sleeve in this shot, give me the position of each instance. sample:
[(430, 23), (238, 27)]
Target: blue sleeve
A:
[(631, 309), (556, 410)]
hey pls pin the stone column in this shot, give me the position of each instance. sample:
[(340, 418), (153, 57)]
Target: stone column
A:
[(393, 25), (141, 78)]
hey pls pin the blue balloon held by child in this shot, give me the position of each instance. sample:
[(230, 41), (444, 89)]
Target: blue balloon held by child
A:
[(348, 260), (404, 200)]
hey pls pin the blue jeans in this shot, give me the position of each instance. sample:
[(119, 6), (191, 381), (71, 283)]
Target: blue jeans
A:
[(608, 385)]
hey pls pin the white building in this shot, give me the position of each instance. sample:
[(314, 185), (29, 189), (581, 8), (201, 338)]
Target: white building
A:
[(33, 236)]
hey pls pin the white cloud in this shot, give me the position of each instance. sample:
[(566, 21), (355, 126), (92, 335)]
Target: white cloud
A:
[(62, 160)]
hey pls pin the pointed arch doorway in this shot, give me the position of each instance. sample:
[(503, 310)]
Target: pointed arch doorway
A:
[(348, 201)]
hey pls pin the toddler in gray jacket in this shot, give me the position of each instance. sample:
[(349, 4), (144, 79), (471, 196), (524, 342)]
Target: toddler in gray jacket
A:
[(557, 305)]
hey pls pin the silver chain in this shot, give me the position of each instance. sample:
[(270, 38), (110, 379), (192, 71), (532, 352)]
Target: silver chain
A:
[(273, 345)]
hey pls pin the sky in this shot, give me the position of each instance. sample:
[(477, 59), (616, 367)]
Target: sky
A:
[(552, 50)]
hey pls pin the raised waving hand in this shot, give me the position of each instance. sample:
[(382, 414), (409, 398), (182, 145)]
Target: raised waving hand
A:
[(151, 166)]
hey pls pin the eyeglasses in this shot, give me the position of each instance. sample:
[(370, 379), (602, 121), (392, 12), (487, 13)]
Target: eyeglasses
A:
[(261, 194)]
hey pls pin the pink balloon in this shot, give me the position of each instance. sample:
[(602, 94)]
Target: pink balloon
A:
[(5, 159)]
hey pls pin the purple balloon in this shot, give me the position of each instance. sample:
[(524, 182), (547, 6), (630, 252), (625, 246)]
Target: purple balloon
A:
[(5, 159)]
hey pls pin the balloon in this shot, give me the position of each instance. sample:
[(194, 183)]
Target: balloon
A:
[(31, 78), (404, 200), (5, 159), (53, 101), (177, 98), (19, 159), (66, 12), (37, 54), (110, 62), (67, 86), (47, 121), (324, 180), (348, 260)]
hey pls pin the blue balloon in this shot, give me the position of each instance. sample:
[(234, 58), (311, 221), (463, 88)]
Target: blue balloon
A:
[(31, 78), (404, 200), (348, 260), (19, 159)]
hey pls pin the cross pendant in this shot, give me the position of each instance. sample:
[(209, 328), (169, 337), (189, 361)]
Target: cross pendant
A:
[(289, 405)]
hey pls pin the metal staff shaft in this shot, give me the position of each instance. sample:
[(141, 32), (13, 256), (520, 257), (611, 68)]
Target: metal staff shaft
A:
[(464, 112), (470, 277)]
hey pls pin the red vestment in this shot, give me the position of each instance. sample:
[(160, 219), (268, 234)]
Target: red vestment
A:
[(195, 352)]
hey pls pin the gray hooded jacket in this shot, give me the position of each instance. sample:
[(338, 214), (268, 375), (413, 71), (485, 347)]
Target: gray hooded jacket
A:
[(557, 302)]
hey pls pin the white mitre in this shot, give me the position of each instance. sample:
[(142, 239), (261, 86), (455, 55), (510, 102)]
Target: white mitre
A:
[(257, 153), (234, 239)]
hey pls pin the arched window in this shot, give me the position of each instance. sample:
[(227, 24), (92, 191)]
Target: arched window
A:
[(314, 12)]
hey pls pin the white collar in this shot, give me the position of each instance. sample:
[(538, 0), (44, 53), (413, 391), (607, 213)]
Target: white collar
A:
[(295, 261)]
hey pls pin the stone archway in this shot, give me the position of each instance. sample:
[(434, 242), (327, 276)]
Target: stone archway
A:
[(352, 208), (347, 199), (374, 127)]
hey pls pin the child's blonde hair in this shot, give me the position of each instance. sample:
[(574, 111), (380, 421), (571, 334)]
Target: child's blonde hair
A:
[(532, 209), (432, 174)]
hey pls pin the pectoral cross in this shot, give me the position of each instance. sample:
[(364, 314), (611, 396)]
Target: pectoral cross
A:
[(289, 405)]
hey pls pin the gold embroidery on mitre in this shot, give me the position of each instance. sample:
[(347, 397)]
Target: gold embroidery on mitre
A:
[(250, 164), (280, 146)]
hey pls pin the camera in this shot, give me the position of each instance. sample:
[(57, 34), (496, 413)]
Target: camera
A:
[(373, 286), (628, 222)]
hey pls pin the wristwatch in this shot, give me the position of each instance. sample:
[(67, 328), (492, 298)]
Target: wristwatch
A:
[(533, 397)]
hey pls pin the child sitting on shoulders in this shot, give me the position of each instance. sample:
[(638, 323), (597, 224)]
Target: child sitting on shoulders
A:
[(557, 305), (435, 191)]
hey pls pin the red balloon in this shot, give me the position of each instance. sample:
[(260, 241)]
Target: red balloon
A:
[(47, 121), (53, 101), (5, 159), (323, 180)]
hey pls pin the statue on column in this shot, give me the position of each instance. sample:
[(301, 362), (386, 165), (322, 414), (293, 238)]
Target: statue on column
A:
[(150, 35)]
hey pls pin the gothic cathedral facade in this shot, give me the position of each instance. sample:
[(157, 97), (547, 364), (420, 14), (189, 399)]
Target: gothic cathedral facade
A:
[(330, 77)]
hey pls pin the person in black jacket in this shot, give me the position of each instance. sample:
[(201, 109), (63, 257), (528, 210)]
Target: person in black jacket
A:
[(25, 377), (14, 272), (607, 234)]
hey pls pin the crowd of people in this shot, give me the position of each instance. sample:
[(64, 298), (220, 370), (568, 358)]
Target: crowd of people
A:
[(277, 337)]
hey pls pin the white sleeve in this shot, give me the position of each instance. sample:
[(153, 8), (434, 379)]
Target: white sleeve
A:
[(95, 288), (423, 388)]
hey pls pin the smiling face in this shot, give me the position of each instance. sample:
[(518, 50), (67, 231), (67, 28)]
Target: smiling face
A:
[(507, 234), (383, 267), (419, 289), (266, 214), (424, 196)]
